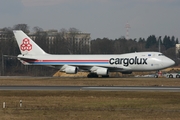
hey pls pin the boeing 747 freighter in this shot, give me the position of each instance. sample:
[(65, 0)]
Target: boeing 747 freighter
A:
[(32, 54)]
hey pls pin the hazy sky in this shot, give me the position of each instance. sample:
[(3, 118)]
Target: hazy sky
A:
[(101, 18)]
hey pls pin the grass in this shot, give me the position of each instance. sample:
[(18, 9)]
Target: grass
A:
[(91, 81), (90, 105)]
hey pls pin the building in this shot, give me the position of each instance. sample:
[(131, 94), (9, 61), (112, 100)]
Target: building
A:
[(78, 42), (5, 35), (178, 50)]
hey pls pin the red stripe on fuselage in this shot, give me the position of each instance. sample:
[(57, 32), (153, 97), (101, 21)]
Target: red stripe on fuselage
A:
[(74, 60), (66, 60)]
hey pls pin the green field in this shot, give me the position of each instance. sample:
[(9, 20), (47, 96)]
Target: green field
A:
[(90, 105)]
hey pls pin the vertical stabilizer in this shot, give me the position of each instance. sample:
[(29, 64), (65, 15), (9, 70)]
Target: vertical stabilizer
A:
[(26, 44)]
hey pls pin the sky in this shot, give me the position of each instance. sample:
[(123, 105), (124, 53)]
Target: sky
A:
[(100, 18)]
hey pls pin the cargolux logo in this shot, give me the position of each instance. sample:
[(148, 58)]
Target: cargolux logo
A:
[(26, 45), (127, 61)]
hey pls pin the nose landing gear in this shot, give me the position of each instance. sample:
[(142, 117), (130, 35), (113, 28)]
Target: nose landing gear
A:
[(158, 74)]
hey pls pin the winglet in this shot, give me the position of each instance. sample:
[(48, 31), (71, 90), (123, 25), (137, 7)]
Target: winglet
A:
[(26, 44)]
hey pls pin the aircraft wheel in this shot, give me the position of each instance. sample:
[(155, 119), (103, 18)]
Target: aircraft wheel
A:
[(89, 76), (170, 76), (177, 76), (156, 76), (92, 75), (105, 76)]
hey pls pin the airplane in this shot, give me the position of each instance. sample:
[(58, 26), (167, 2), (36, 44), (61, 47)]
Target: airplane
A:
[(96, 65)]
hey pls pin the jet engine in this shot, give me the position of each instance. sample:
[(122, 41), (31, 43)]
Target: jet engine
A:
[(71, 70), (102, 71)]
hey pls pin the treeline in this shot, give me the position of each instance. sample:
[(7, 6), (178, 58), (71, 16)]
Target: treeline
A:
[(59, 44), (121, 45)]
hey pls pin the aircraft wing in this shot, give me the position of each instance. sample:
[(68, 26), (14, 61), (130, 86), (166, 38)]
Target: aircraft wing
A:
[(102, 70)]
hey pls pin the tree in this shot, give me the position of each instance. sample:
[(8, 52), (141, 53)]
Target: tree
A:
[(23, 27), (120, 46), (60, 44), (141, 44), (37, 29), (41, 39), (72, 40), (167, 42), (177, 41), (151, 41), (173, 42)]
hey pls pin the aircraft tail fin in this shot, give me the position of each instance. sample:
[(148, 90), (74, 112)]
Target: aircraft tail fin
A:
[(26, 44)]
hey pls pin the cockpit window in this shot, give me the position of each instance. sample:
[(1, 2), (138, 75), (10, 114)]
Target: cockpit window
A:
[(160, 55)]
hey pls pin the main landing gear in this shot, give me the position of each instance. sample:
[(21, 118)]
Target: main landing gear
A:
[(157, 74), (105, 76), (94, 75)]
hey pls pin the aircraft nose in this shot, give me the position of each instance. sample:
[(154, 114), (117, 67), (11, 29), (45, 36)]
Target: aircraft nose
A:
[(168, 62)]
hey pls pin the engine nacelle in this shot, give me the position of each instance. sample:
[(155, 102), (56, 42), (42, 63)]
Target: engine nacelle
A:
[(71, 70), (102, 71)]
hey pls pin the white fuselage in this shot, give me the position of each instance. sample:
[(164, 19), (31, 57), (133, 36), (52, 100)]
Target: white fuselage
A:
[(140, 61)]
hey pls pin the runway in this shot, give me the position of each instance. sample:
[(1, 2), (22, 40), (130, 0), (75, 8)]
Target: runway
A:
[(93, 88)]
